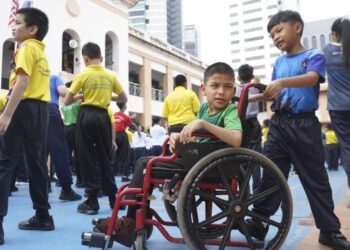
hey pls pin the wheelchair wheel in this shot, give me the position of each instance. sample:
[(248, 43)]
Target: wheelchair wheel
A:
[(140, 241), (229, 171)]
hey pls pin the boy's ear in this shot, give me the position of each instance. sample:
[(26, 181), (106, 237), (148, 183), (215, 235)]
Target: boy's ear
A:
[(298, 27), (33, 30), (203, 89)]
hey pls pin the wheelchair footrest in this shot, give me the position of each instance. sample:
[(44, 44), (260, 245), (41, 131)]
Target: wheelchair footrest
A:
[(95, 239)]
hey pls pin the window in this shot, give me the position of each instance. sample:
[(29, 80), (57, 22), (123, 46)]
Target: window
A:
[(255, 48), (306, 42), (254, 39), (67, 53), (252, 11), (314, 42), (322, 41), (108, 52), (253, 20), (252, 58), (253, 29)]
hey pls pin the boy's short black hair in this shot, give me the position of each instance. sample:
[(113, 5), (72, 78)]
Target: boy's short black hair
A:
[(33, 16), (91, 50), (155, 119), (245, 73), (121, 105), (266, 122), (286, 16), (219, 68), (68, 84), (180, 80)]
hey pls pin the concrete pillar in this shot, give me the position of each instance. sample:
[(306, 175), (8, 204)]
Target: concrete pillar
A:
[(169, 81), (146, 82)]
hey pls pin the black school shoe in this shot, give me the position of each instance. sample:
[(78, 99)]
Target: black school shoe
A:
[(256, 229), (39, 224), (2, 237), (334, 240), (85, 208), (69, 195)]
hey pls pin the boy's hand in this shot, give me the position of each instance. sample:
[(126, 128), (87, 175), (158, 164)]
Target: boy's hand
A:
[(186, 133), (273, 89), (173, 138), (4, 123)]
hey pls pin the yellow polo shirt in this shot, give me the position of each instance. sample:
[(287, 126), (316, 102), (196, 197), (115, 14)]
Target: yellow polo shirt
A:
[(181, 106), (97, 85), (331, 137), (3, 100), (31, 58)]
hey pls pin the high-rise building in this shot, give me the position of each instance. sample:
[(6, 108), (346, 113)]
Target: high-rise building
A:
[(190, 40), (161, 19), (250, 41)]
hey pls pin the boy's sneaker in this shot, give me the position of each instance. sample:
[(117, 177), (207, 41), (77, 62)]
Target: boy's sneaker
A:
[(69, 195), (85, 208), (35, 223), (79, 184), (123, 230), (2, 237), (256, 229), (335, 240)]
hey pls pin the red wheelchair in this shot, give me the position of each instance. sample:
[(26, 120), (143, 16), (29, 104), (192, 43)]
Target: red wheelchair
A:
[(214, 200)]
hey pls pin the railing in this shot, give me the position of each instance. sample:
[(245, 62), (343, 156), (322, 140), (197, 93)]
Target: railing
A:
[(157, 95), (134, 89)]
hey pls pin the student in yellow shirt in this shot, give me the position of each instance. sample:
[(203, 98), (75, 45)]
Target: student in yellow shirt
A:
[(332, 148), (94, 132), (24, 121), (180, 106)]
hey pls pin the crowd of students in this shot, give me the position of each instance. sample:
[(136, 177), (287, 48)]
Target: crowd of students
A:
[(293, 137)]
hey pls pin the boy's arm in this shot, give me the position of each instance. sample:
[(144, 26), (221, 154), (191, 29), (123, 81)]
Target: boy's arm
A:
[(231, 137), (69, 99), (120, 97), (307, 80), (22, 81)]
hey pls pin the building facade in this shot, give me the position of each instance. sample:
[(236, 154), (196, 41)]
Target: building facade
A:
[(190, 40), (161, 19), (149, 64), (250, 42)]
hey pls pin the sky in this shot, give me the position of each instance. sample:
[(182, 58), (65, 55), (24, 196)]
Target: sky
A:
[(211, 18)]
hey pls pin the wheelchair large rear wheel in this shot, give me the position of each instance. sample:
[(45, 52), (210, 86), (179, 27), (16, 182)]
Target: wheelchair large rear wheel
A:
[(229, 171)]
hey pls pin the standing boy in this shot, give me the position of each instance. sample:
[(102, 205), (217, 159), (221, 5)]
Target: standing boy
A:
[(94, 134), (219, 117), (253, 129), (180, 106), (295, 133), (24, 121)]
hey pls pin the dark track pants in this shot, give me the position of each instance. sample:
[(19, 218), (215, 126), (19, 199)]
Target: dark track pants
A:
[(72, 147), (58, 147), (27, 131), (341, 125), (122, 154), (297, 139), (94, 147)]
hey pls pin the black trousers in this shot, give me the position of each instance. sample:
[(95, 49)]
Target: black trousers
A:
[(253, 136), (58, 147), (94, 147), (296, 138), (341, 124), (28, 131), (176, 128), (332, 156), (122, 154), (72, 149)]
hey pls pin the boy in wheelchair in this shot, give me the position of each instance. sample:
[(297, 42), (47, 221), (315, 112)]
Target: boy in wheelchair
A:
[(218, 116)]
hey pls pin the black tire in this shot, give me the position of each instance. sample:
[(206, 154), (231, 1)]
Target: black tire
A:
[(232, 207)]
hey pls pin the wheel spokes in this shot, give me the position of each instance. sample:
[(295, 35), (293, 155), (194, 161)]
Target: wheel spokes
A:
[(262, 195), (211, 220), (264, 219), (227, 233), (246, 233), (243, 189), (211, 197)]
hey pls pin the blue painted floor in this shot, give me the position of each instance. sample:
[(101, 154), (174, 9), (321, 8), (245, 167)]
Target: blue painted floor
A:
[(70, 224)]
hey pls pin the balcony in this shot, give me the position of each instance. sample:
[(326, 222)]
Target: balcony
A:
[(135, 89), (157, 95)]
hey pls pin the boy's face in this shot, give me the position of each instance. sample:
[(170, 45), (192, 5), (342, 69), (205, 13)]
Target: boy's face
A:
[(219, 90), (20, 31), (286, 35)]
